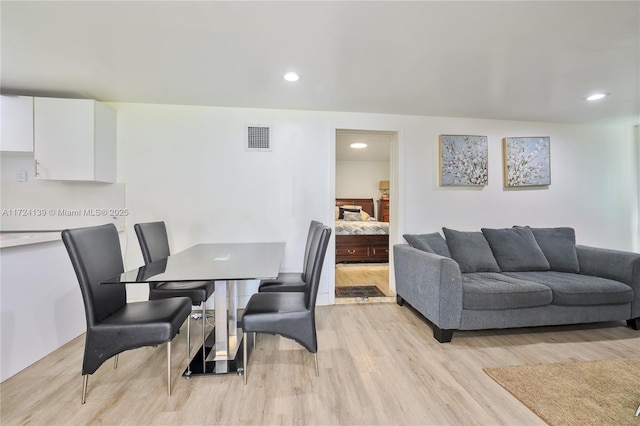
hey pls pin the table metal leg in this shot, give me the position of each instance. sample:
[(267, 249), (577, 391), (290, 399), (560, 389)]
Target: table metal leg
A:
[(222, 295), (220, 353)]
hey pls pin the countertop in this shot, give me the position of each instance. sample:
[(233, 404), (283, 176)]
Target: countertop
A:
[(14, 239)]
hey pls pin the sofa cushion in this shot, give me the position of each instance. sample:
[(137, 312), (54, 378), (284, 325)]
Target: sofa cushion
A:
[(559, 247), (471, 251), (577, 289), (490, 290), (516, 249), (432, 243)]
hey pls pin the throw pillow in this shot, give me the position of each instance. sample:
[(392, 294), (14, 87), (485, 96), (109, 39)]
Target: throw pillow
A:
[(433, 243), (418, 242), (516, 249), (471, 250), (559, 247)]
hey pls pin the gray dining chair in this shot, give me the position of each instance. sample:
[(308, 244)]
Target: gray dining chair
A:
[(289, 314), (113, 325), (291, 281), (154, 244)]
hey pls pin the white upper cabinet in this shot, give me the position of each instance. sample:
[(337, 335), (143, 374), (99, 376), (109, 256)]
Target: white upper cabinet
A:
[(74, 139), (16, 123)]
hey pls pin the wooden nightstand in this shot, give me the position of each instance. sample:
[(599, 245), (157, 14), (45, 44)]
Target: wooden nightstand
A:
[(383, 210)]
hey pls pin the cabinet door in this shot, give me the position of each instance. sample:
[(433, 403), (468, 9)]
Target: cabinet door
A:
[(64, 138), (16, 123)]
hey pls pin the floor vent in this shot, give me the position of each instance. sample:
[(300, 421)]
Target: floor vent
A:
[(258, 138)]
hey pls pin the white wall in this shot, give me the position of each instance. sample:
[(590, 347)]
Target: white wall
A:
[(593, 174), (360, 179), (12, 162), (187, 165)]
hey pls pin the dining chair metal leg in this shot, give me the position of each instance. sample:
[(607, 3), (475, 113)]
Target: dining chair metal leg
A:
[(85, 381), (188, 336), (204, 321), (315, 357), (169, 368), (245, 359), (255, 339), (115, 361)]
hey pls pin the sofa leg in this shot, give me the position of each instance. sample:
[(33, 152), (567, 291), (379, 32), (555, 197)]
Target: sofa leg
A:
[(442, 336), (399, 300), (634, 323)]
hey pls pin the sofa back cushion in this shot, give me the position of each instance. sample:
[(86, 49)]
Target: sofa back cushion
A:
[(559, 247), (432, 243), (516, 249), (471, 251)]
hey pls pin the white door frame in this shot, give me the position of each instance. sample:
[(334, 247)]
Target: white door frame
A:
[(395, 184)]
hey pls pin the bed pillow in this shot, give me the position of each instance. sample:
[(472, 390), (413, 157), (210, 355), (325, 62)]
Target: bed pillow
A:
[(345, 209), (352, 216), (559, 247), (471, 251), (516, 249), (432, 243)]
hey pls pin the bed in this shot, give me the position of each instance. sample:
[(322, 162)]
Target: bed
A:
[(365, 241)]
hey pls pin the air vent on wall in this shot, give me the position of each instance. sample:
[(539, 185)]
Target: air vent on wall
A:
[(258, 138)]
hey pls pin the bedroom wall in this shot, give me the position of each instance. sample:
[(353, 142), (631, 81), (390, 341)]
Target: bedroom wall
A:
[(187, 165), (360, 179)]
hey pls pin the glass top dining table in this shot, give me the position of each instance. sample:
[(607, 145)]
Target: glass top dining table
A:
[(226, 264)]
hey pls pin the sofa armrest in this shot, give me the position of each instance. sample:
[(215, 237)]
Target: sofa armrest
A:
[(430, 283), (623, 266)]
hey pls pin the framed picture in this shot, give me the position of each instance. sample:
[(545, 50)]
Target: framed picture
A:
[(527, 161), (463, 160)]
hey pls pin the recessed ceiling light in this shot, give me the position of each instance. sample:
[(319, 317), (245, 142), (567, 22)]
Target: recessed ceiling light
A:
[(596, 96), (358, 145), (291, 76)]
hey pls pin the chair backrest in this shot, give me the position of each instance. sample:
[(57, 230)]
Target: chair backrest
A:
[(317, 252), (95, 255), (312, 226), (153, 240)]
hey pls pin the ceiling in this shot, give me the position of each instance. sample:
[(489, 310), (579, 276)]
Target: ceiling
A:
[(521, 60), (378, 145)]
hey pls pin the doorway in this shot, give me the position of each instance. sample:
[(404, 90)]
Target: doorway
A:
[(363, 179)]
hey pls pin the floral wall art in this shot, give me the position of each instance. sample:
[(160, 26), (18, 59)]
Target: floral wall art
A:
[(526, 161), (463, 160)]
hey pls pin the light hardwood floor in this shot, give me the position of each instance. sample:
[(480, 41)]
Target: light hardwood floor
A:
[(379, 365), (364, 274)]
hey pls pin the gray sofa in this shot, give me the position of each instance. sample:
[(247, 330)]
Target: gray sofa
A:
[(514, 277)]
